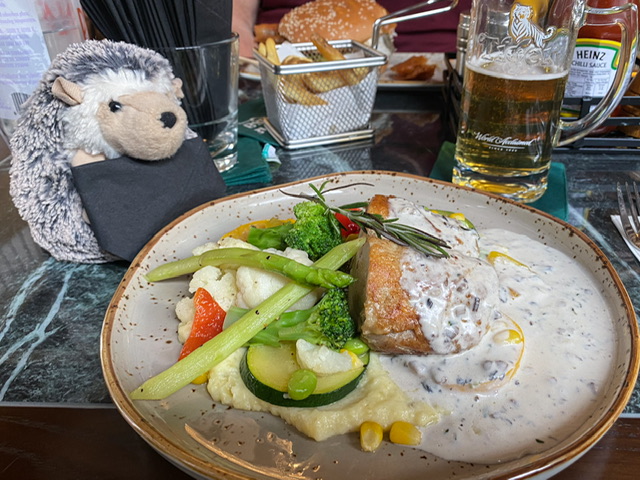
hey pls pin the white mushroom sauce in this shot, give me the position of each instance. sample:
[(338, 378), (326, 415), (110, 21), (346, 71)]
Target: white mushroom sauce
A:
[(535, 373)]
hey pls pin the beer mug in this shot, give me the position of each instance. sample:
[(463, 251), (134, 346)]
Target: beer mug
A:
[(517, 64)]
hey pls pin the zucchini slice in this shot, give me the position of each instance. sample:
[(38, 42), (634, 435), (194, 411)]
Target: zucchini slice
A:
[(266, 371)]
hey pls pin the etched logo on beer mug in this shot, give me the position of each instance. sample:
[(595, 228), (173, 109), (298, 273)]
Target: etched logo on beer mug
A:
[(522, 27), (516, 69)]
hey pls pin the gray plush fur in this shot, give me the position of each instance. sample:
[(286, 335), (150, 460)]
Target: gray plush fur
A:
[(41, 183)]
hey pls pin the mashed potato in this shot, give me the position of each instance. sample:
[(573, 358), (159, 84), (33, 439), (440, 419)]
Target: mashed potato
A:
[(376, 398)]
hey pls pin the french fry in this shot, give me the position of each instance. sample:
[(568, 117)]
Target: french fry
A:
[(294, 91), (317, 82), (272, 51), (262, 49), (328, 51), (295, 60), (302, 88), (320, 82), (351, 76), (296, 79)]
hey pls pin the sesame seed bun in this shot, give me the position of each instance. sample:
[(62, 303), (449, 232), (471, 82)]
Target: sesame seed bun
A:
[(333, 20)]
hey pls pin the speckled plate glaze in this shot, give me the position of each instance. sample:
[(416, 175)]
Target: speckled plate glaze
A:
[(139, 340)]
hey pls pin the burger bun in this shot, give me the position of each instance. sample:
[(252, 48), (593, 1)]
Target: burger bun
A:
[(333, 20)]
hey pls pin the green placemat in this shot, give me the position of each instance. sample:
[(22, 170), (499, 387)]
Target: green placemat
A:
[(252, 135), (554, 201)]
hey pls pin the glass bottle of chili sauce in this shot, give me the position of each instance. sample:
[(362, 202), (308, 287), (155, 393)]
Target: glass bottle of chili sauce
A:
[(595, 60)]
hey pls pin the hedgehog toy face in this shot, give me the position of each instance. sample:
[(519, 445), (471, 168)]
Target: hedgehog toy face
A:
[(123, 114), (146, 125)]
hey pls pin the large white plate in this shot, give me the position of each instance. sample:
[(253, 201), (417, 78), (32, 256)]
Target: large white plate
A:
[(249, 69), (139, 340), (388, 80)]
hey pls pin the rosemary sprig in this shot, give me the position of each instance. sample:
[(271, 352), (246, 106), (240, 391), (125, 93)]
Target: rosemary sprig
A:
[(387, 228)]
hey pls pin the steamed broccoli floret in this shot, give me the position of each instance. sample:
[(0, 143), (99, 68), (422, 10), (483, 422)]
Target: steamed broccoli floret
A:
[(316, 230), (326, 323)]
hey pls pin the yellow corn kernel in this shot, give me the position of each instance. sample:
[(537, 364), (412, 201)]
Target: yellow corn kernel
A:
[(494, 255), (405, 433), (370, 436), (200, 379)]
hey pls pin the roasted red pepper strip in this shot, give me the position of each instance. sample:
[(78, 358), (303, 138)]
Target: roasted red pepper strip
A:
[(207, 321), (348, 227)]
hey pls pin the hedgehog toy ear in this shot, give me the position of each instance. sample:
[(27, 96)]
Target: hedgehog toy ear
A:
[(177, 88), (69, 92)]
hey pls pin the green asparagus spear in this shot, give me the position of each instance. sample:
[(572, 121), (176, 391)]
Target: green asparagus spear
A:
[(238, 334), (296, 271)]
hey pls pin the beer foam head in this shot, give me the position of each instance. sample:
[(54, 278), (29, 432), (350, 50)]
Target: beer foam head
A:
[(514, 70)]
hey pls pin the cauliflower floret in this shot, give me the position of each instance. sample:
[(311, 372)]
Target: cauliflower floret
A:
[(185, 311), (227, 242), (324, 361), (255, 285), (199, 250), (230, 242), (294, 254), (220, 284)]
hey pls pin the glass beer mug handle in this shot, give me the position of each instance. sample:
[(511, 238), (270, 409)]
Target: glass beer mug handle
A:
[(575, 130), (410, 13)]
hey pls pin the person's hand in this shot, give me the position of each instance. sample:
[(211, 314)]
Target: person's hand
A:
[(246, 42), (244, 18)]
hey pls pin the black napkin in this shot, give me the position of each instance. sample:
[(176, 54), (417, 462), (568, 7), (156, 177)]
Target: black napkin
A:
[(212, 20), (161, 23), (127, 201)]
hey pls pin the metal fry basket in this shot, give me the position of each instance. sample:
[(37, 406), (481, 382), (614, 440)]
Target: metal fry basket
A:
[(318, 102)]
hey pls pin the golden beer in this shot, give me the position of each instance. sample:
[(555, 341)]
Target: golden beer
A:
[(508, 128)]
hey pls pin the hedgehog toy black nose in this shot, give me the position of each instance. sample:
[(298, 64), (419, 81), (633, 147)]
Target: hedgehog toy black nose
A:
[(168, 119)]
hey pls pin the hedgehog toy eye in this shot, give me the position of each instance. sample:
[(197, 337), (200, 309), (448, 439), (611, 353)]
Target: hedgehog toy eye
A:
[(115, 106)]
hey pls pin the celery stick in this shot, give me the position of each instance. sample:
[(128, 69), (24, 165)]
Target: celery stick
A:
[(174, 269), (239, 333)]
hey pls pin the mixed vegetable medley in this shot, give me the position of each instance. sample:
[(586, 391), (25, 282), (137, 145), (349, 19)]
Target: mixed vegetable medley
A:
[(304, 357)]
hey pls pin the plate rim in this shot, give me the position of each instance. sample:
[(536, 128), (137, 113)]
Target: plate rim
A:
[(166, 448)]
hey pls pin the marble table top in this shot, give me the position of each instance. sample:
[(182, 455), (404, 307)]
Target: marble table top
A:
[(51, 312)]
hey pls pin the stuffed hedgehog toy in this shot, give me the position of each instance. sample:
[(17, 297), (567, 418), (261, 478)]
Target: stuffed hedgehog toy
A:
[(102, 155)]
